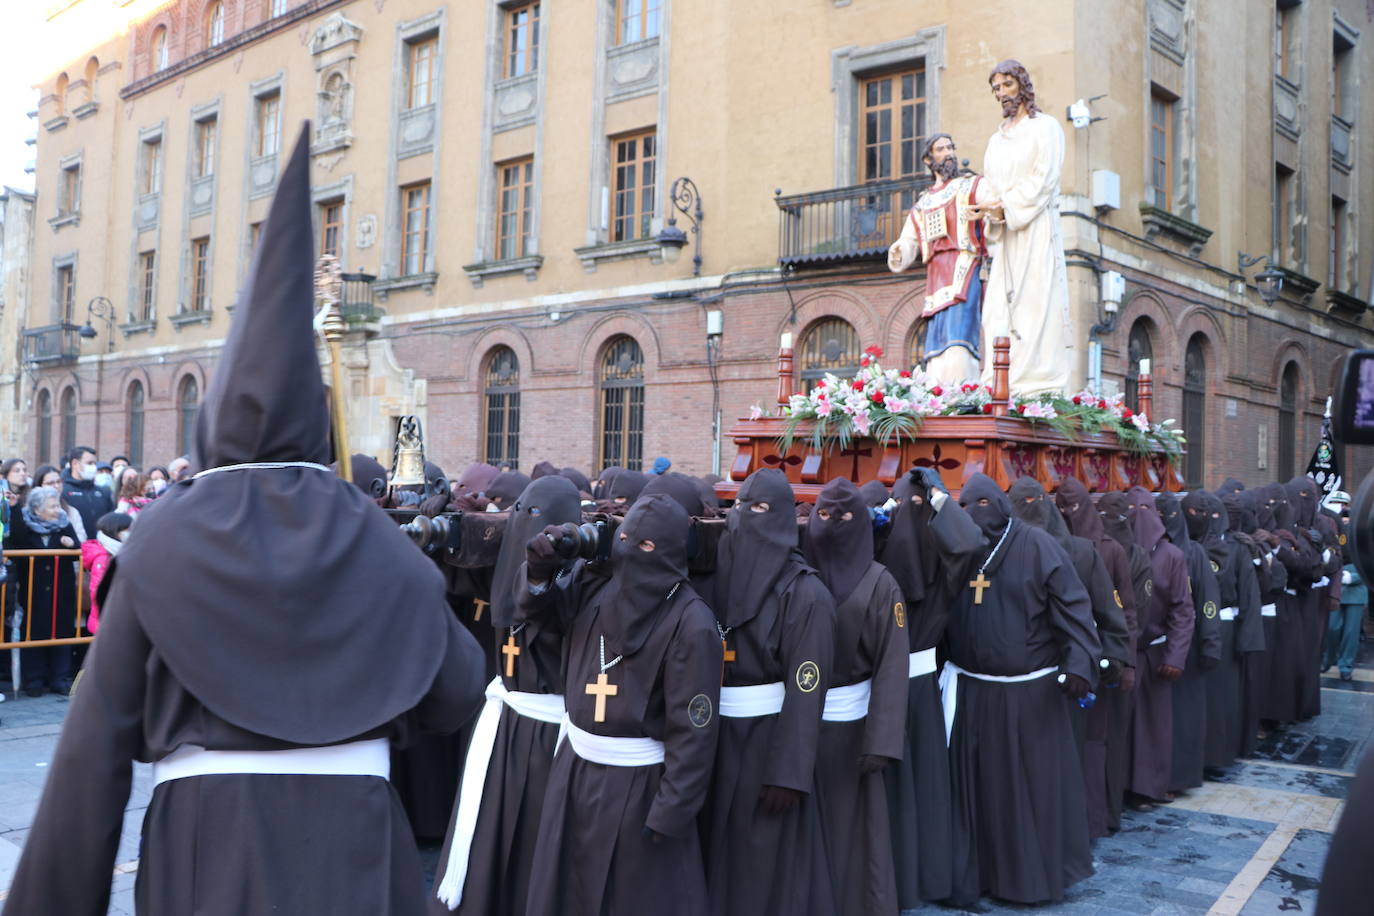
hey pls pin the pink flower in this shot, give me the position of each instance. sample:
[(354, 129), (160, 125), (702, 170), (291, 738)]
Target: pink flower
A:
[(755, 412), (861, 423), (897, 405), (823, 407)]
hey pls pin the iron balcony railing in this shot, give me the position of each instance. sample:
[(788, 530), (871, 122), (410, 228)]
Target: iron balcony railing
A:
[(54, 343), (844, 224), (356, 305)]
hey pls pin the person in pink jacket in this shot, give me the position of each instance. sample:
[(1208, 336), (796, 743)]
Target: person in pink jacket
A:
[(111, 530)]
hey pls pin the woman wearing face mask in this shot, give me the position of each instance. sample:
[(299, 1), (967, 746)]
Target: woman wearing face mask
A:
[(157, 481), (47, 588), (96, 554), (51, 478)]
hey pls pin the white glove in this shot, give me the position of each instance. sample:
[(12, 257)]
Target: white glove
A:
[(1326, 555), (1346, 578)]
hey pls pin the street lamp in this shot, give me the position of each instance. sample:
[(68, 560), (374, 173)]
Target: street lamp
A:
[(1269, 281), (99, 307), (671, 240)]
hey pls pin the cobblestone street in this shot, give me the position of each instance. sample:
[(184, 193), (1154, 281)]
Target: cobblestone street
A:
[(1252, 843)]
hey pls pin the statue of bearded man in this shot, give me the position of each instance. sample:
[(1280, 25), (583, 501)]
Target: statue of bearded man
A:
[(1027, 295), (948, 236)]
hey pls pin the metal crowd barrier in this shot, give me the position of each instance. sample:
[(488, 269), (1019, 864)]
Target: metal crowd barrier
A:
[(18, 630)]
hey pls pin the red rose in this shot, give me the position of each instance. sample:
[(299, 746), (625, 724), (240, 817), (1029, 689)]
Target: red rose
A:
[(875, 352), (905, 373), (987, 408), (878, 397), (1102, 404), (1077, 399), (1127, 413), (821, 396), (858, 385), (937, 391), (1020, 408)]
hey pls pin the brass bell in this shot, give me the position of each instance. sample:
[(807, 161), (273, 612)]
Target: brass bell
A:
[(408, 470)]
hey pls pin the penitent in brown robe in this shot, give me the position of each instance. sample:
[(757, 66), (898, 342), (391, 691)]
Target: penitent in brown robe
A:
[(778, 621), (870, 646), (623, 840)]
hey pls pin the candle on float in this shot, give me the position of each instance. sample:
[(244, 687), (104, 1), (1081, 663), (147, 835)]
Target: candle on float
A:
[(786, 342), (1144, 367)]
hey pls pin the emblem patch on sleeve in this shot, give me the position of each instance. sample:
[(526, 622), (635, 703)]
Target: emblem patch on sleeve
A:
[(808, 676), (699, 710), (899, 613), (1216, 567), (1209, 609), (1149, 587), (1116, 595)]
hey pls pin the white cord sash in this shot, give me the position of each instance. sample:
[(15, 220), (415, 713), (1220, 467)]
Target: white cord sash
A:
[(949, 687), (920, 663), (848, 703), (752, 701), (357, 758), (268, 465)]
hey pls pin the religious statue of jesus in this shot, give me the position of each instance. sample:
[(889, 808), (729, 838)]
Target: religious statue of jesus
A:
[(1027, 295), (948, 235)]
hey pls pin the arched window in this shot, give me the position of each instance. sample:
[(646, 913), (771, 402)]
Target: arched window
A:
[(502, 389), (92, 73), (1195, 409), (188, 405), (214, 25), (621, 382), (1288, 422), (829, 345), (1138, 347), (68, 408), (44, 455), (135, 443), (60, 94), (159, 54)]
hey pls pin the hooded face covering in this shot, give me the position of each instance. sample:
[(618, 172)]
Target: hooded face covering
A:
[(543, 469), (1146, 521), (506, 489), (1277, 495), (1197, 513), (875, 493), (546, 501), (759, 544), (1302, 496), (839, 537), (1228, 486), (680, 487), (578, 478), (648, 561), (1032, 505), (602, 488), (1264, 512), (1076, 506), (626, 486), (1240, 510), (1114, 512), (987, 505), (1171, 514), (368, 475)]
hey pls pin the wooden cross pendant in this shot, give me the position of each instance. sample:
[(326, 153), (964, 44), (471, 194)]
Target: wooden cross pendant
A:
[(510, 650), (478, 606), (728, 656), (601, 689), (978, 585)]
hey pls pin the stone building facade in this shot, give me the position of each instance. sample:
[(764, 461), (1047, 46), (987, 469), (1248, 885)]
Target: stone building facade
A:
[(503, 170)]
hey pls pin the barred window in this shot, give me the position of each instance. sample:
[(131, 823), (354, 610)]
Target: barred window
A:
[(135, 443), (188, 406), (44, 427), (621, 383), (502, 390), (829, 345), (1288, 423), (1195, 410), (68, 420), (1138, 347)]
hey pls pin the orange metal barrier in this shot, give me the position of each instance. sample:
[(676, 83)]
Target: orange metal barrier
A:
[(26, 600)]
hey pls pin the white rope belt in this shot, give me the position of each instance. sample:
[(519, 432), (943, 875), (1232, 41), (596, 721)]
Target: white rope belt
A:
[(1269, 610), (949, 687), (920, 663), (1160, 640), (613, 752), (357, 758), (545, 707), (848, 703), (262, 465), (1228, 614), (1323, 582), (752, 701), (1291, 591)]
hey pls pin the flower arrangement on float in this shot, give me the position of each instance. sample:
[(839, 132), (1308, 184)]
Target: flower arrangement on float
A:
[(889, 404)]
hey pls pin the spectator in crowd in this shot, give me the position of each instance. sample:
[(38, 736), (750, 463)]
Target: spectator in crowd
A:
[(105, 478), (81, 492), (178, 468), (157, 480), (119, 463), (47, 589), (51, 477), (133, 492), (16, 474), (96, 554)]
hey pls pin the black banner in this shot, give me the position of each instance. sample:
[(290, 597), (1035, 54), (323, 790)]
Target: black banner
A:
[(1324, 468)]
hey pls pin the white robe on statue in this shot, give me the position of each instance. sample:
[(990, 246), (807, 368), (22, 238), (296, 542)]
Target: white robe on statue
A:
[(1027, 295)]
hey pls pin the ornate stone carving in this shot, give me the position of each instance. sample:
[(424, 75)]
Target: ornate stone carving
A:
[(334, 45)]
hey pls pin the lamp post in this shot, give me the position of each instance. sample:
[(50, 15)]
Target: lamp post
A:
[(1269, 281), (686, 199), (99, 307)]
